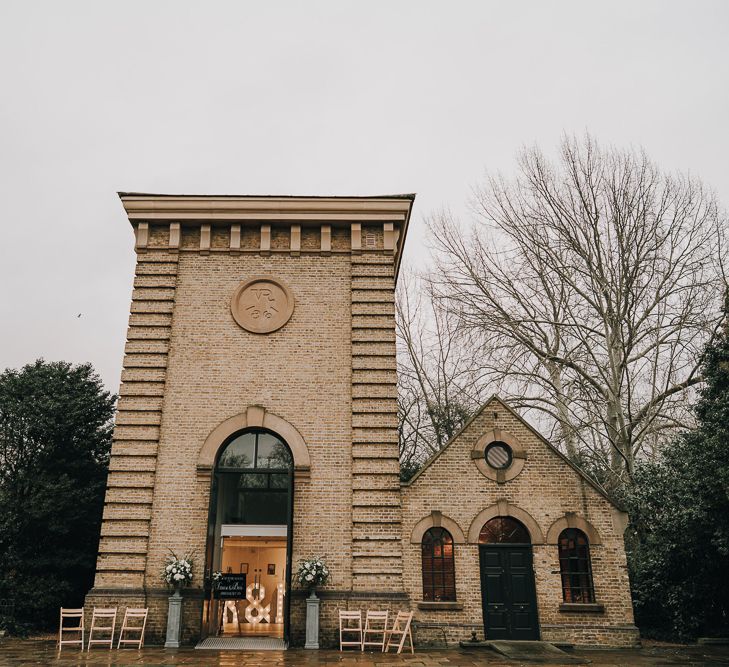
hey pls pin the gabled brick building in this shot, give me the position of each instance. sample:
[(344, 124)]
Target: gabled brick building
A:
[(257, 425)]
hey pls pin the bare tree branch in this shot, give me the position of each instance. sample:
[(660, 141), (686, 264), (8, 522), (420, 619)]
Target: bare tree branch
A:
[(587, 290)]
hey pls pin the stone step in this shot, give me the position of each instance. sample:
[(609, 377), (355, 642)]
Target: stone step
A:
[(150, 320), (123, 545), (134, 448), (121, 563), (130, 480), (148, 333), (140, 388), (125, 527), (139, 403), (379, 335), (168, 268), (147, 347), (136, 432), (168, 280), (374, 435), (155, 293), (124, 511), (143, 375), (138, 418), (134, 463), (375, 363), (145, 360), (157, 307)]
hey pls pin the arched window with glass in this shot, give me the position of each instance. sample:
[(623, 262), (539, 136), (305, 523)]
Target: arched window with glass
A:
[(254, 476), (504, 530), (439, 576), (575, 567)]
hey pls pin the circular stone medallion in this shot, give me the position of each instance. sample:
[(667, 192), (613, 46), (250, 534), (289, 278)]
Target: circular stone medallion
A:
[(262, 304)]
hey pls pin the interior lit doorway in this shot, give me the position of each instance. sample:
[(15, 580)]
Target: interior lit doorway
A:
[(248, 555), (260, 563)]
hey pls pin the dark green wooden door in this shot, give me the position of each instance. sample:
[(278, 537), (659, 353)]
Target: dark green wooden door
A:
[(508, 594)]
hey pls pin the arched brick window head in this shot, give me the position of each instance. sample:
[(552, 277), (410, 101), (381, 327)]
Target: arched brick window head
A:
[(439, 576), (504, 530), (575, 567)]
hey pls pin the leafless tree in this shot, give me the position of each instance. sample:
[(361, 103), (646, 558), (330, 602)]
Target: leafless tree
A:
[(589, 288), (436, 388)]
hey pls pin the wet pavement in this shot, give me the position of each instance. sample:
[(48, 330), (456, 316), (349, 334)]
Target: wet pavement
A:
[(17, 652)]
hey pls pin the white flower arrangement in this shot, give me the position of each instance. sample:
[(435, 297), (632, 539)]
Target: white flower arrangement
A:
[(177, 571), (312, 573)]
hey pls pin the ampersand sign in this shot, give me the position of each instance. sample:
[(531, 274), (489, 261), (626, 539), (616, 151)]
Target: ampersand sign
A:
[(255, 611)]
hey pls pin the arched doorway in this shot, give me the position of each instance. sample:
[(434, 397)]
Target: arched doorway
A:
[(508, 593), (248, 550)]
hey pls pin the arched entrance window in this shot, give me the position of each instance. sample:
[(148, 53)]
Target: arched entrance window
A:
[(575, 567), (439, 578), (504, 530), (253, 472), (248, 555), (508, 591)]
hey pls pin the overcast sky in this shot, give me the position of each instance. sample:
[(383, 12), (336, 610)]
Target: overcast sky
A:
[(309, 98)]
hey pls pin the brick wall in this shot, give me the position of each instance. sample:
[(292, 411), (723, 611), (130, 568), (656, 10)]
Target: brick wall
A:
[(330, 373), (190, 366), (547, 489)]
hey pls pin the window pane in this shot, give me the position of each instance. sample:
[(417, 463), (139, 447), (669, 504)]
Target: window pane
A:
[(239, 453), (575, 567), (504, 530), (279, 481), (498, 455), (268, 507), (241, 502), (438, 566), (229, 510), (272, 453), (253, 481)]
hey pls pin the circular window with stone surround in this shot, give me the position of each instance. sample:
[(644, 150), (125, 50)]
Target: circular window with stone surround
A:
[(262, 304), (498, 455)]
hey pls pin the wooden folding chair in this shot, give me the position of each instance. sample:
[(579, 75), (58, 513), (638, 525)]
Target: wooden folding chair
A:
[(77, 614), (102, 614), (375, 624), (350, 623), (127, 627), (401, 628)]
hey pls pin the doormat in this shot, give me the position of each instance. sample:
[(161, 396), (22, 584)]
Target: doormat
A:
[(526, 651), (242, 644)]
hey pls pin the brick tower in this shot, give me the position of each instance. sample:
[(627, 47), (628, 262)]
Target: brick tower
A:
[(258, 317)]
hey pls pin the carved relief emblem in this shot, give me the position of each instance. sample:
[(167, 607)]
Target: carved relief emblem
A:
[(262, 304)]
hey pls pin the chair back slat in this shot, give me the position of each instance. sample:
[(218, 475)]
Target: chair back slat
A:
[(105, 613), (71, 613)]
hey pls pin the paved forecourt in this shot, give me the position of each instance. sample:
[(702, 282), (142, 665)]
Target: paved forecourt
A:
[(16, 652)]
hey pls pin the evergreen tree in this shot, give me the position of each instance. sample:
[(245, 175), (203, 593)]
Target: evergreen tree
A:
[(679, 509), (55, 439)]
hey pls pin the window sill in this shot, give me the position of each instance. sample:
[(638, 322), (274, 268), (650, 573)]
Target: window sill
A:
[(583, 607), (440, 606)]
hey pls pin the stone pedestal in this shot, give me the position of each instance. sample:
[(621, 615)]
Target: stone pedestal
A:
[(174, 620), (312, 621)]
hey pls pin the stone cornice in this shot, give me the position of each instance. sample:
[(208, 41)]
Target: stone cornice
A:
[(204, 211), (226, 209)]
